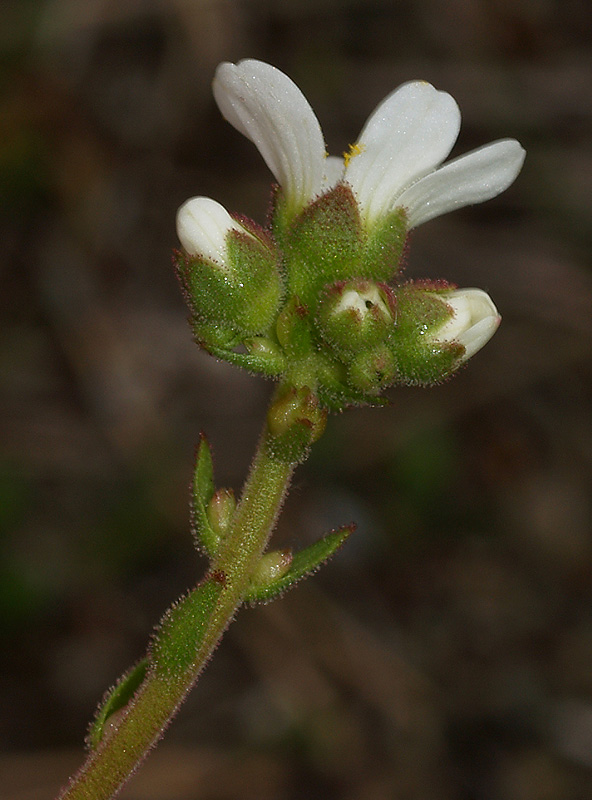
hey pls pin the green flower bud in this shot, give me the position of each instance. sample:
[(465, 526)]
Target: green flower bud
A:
[(373, 370), (271, 567), (438, 329), (230, 270), (220, 510), (356, 315), (295, 421)]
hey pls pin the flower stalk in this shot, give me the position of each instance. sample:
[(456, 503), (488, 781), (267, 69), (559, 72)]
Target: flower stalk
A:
[(192, 628)]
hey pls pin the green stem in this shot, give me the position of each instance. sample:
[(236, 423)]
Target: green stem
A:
[(180, 649)]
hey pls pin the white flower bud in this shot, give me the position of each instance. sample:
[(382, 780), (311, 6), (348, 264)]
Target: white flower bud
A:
[(362, 300), (473, 323), (203, 226), (356, 315)]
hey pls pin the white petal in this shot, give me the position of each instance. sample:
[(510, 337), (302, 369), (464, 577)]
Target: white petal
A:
[(269, 109), (474, 321), (480, 175), (409, 133), (332, 172), (202, 228)]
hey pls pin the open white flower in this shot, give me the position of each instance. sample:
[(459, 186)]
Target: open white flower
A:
[(394, 164)]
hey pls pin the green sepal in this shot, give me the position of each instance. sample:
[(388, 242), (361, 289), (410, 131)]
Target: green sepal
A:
[(281, 213), (419, 365), (205, 537), (323, 244), (293, 329), (333, 391), (242, 295), (213, 336), (421, 307), (115, 699), (257, 293), (255, 362), (385, 245), (303, 563), (176, 641), (265, 356)]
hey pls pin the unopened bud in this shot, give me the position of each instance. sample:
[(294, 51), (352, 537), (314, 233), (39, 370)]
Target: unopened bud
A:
[(356, 315), (473, 322), (295, 421), (230, 270), (373, 370), (220, 510), (203, 226), (438, 329), (271, 567)]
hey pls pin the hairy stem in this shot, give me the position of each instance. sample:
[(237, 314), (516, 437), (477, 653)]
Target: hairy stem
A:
[(188, 634)]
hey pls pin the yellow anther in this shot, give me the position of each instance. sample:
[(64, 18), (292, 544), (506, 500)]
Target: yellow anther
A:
[(354, 150)]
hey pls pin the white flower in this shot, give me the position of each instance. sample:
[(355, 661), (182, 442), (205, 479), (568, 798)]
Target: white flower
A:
[(395, 162), (203, 226), (474, 320)]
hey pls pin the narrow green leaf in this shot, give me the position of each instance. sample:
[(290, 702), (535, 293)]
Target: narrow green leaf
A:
[(203, 479), (115, 699), (303, 563), (202, 491)]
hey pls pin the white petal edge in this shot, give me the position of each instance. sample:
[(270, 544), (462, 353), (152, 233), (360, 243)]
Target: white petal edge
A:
[(202, 227), (409, 134), (270, 110), (473, 178)]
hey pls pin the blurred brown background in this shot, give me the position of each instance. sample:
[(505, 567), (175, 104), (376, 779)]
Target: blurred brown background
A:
[(446, 652)]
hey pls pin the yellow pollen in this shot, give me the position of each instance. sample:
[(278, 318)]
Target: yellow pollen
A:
[(354, 150)]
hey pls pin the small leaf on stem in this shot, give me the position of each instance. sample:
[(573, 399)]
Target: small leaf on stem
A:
[(303, 563), (202, 491), (115, 700)]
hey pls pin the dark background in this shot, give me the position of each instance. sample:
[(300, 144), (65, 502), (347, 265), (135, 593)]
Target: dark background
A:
[(446, 652)]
